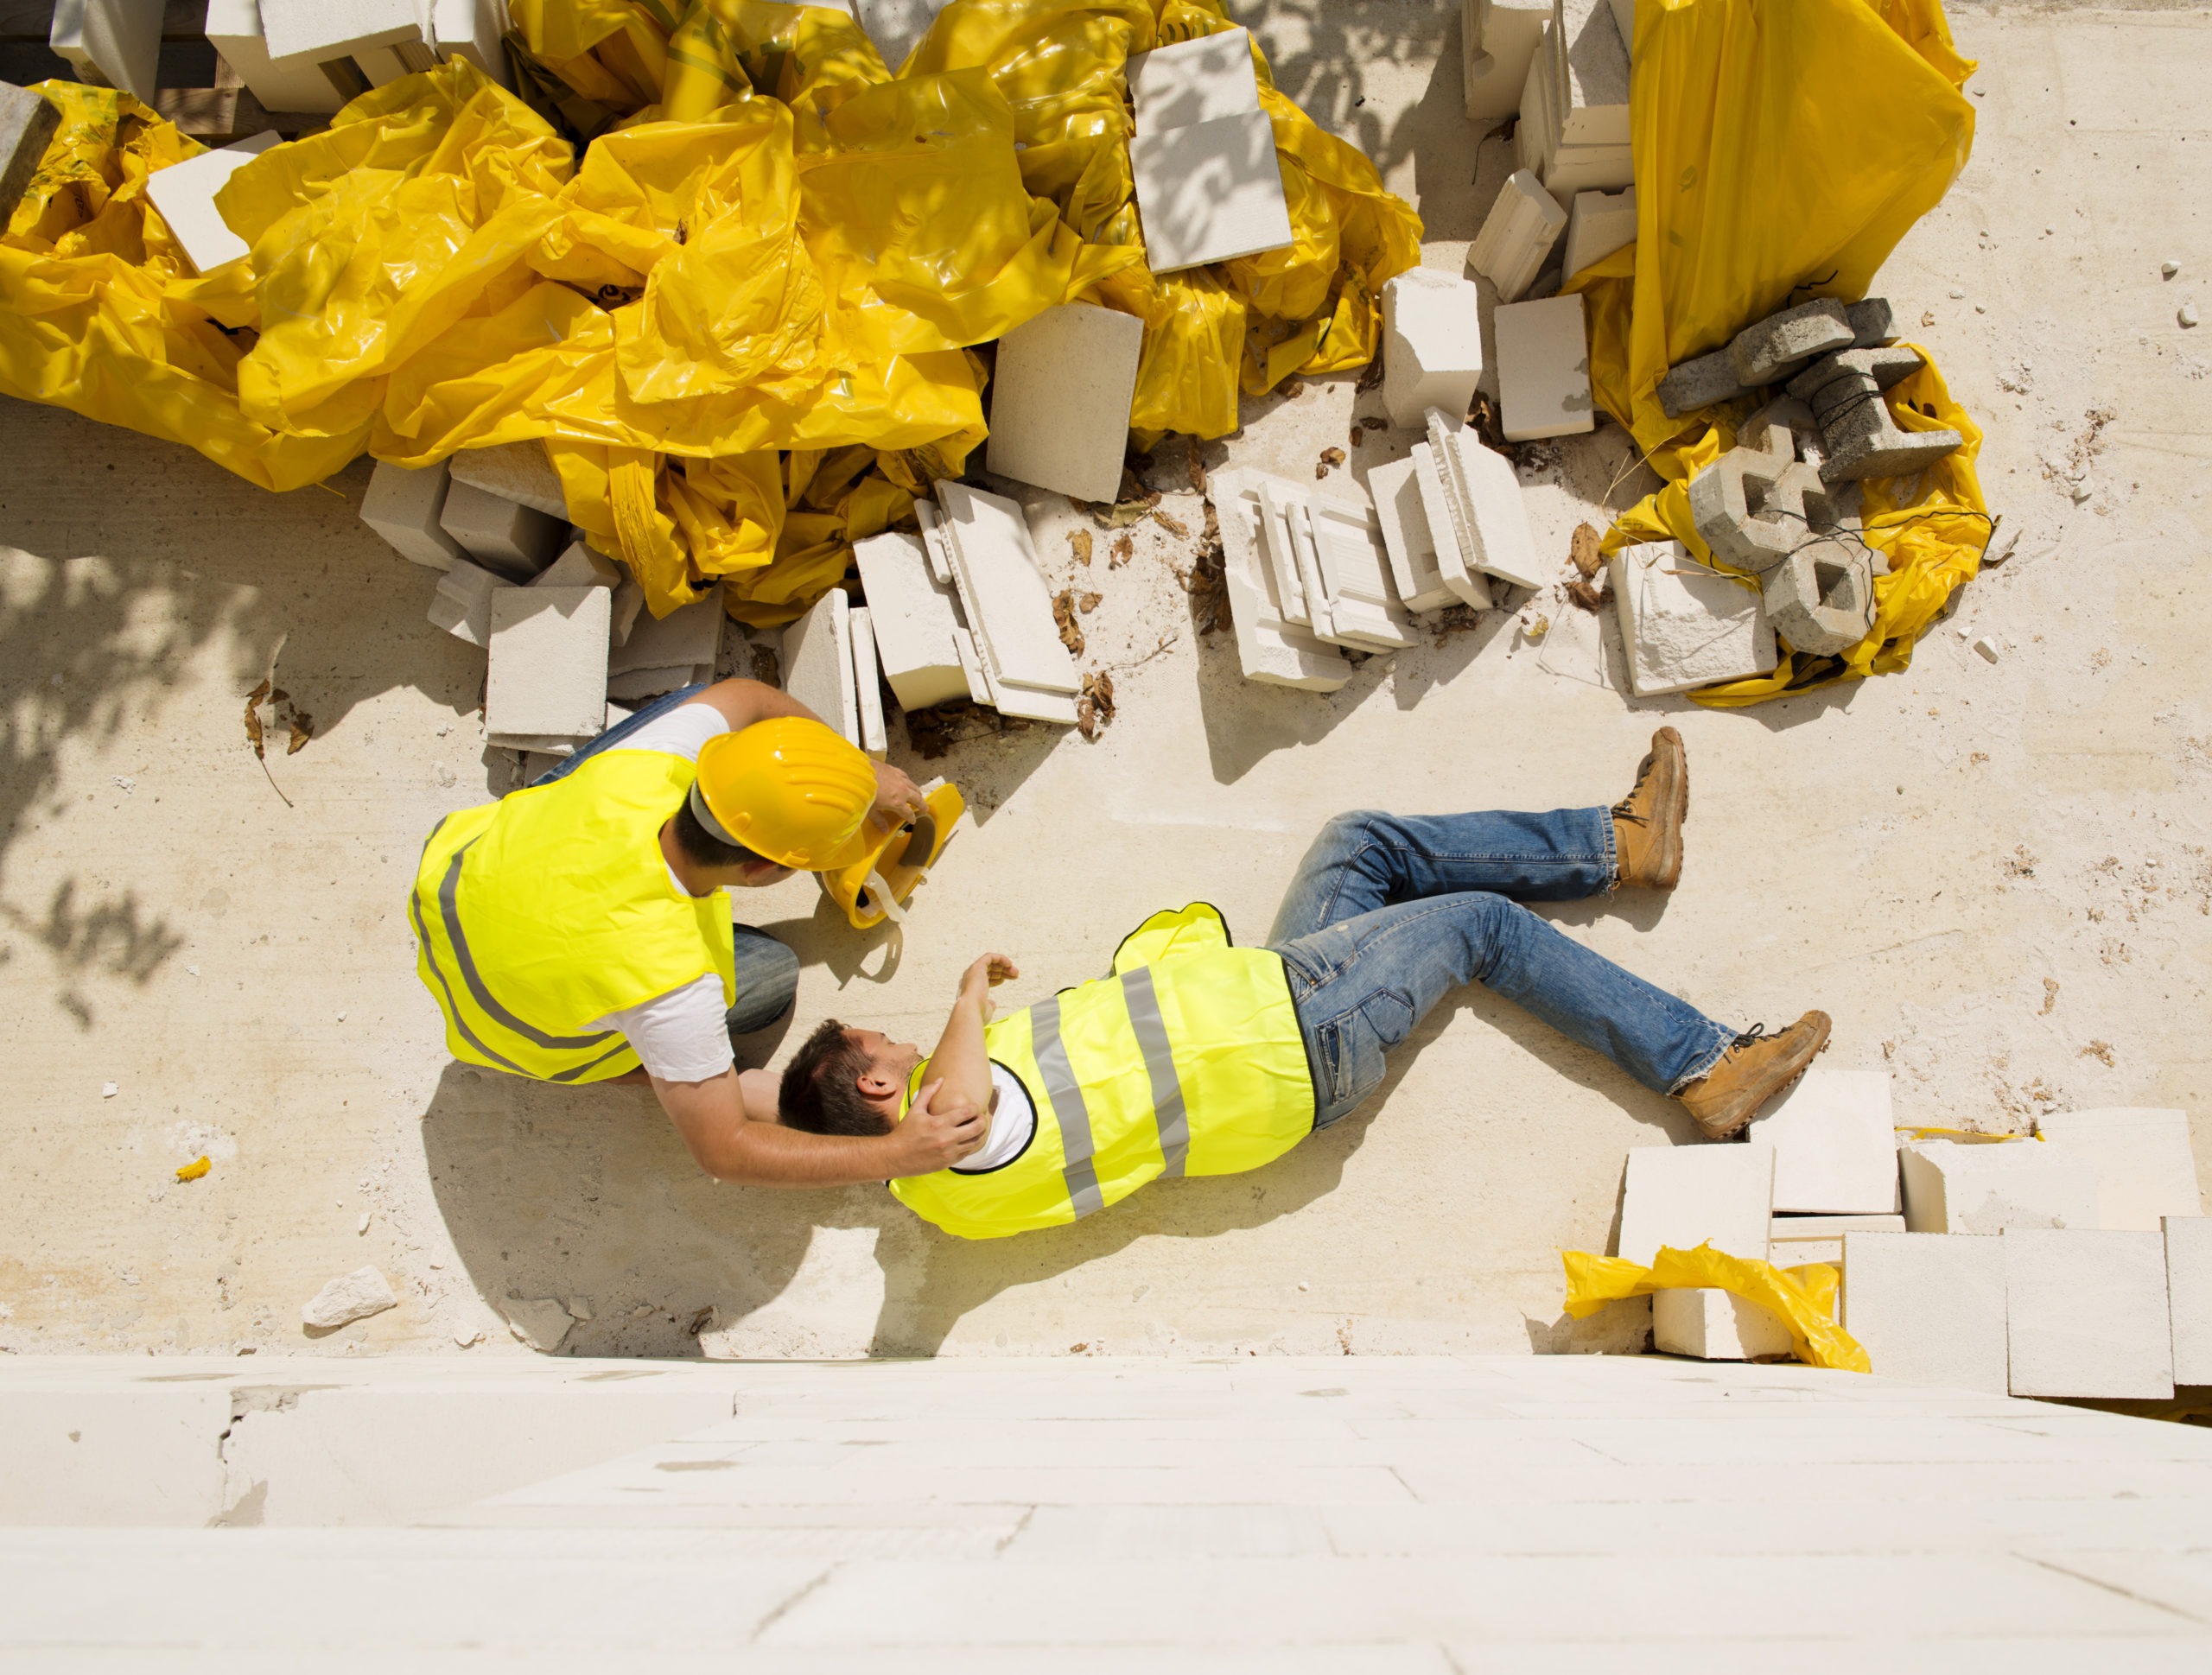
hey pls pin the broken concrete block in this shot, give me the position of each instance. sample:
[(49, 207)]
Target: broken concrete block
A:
[(1686, 1195), (548, 674), (1778, 346), (500, 535), (1832, 380), (1793, 1240), (1499, 39), (1489, 516), (405, 507), (581, 566), (27, 123), (1685, 625), (471, 29), (1785, 426), (463, 602), (514, 471), (1523, 225), (1543, 370), (1705, 382), (337, 28), (2189, 1296), (1862, 437), (2146, 1169), (1269, 648), (1455, 542), (1928, 1308), (1871, 322), (111, 43), (297, 84), (1589, 66), (868, 685), (1201, 79), (1597, 224), (913, 618), (2086, 1313), (1821, 598), (1432, 345), (1061, 400), (1835, 1148), (1754, 508), (184, 194), (1711, 1324), (1357, 597), (818, 656), (1210, 193), (1408, 540), (1986, 1188), (349, 1297), (540, 1322), (1008, 608), (1545, 147), (636, 685), (665, 653)]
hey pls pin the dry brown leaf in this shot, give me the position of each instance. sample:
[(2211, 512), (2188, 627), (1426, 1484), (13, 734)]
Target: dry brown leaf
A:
[(1292, 389), (1197, 469), (1371, 378), (1358, 435), (1089, 602), (1095, 708), (1079, 544), (253, 720), (1374, 424), (1589, 597), (302, 730), (1582, 548), (767, 666), (1169, 524), (1121, 553), (1064, 614)]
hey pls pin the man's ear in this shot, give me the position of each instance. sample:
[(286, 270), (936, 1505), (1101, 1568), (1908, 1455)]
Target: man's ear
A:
[(874, 1084)]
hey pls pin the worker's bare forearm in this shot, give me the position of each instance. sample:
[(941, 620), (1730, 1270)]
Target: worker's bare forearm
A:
[(743, 702), (733, 1142), (961, 1061)]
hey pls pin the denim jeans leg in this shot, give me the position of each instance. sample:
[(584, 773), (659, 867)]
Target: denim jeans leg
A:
[(615, 734), (767, 981), (1366, 860), (1362, 985)]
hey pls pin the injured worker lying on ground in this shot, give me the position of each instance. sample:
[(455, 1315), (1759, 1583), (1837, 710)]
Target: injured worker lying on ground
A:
[(1196, 1058)]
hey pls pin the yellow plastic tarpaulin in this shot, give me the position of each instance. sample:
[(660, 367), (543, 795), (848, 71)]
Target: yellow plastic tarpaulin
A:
[(1802, 1298)]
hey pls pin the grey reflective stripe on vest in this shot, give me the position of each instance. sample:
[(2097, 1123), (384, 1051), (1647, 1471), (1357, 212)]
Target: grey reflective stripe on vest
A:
[(1077, 1146), (453, 1006), (449, 912), (1167, 1109)]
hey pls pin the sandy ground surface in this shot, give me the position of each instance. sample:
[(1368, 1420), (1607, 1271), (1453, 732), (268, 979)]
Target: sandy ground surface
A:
[(1996, 877)]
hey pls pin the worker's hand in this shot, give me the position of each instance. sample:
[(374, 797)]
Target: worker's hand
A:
[(898, 799), (977, 981), (928, 1139)]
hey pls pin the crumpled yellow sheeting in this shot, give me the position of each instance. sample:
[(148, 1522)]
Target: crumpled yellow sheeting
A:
[(100, 313), (1802, 1298)]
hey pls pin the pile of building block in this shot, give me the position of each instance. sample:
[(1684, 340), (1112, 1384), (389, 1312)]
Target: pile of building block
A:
[(1498, 40), (1525, 225), (1208, 187), (1574, 132), (829, 665), (370, 43)]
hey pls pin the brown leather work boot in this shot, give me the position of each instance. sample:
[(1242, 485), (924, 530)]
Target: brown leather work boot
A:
[(1753, 1071), (1647, 821)]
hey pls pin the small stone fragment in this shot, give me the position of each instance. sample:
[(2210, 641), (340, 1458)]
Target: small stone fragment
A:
[(2168, 269), (347, 1299), (2187, 314), (1987, 648), (107, 1090), (540, 1322)]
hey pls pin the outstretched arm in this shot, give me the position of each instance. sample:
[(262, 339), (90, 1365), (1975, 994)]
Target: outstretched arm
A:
[(961, 1062), (731, 1145)]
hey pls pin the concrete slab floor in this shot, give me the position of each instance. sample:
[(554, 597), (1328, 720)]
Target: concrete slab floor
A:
[(1996, 877)]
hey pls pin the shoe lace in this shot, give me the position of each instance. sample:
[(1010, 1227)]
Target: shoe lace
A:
[(1752, 1037), (1625, 809)]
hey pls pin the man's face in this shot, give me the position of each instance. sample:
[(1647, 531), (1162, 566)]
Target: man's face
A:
[(893, 1060)]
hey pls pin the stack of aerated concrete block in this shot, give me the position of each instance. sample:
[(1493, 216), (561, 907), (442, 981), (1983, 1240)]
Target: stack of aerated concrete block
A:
[(1573, 134), (1209, 187)]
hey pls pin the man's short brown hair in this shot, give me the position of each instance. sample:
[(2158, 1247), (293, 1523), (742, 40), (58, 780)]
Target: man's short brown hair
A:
[(820, 1092)]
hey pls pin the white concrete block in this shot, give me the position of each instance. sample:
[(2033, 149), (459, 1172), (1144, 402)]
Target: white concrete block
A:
[(110, 43), (1408, 538), (349, 1297), (471, 29), (514, 471), (404, 507), (1524, 224), (581, 566), (2086, 1313), (1358, 594), (1201, 79), (1543, 369), (1597, 224), (1448, 529), (1624, 21), (818, 656), (1794, 1239), (296, 84), (913, 617), (1210, 193), (1499, 39), (1834, 1140), (1950, 1187), (1686, 1195), (337, 28), (1685, 625), (1574, 170), (972, 665), (1297, 578), (1432, 345), (687, 640), (1008, 608), (463, 602), (500, 535), (1715, 1325), (636, 685), (184, 194), (1489, 516), (868, 684), (1061, 400), (2146, 1169), (1589, 64), (1928, 1308), (2189, 1296), (1269, 648), (549, 662), (895, 26)]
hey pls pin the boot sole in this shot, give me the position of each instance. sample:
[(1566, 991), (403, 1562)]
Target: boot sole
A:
[(1736, 1116), (1671, 874)]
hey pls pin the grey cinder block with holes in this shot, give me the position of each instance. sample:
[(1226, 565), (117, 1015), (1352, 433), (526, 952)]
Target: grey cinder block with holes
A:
[(1821, 598)]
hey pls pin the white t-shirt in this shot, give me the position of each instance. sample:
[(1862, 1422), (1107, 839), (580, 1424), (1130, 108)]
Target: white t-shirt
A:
[(1013, 1122), (680, 1036)]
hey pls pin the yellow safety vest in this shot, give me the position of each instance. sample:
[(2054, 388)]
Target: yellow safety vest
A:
[(1187, 1061), (552, 907)]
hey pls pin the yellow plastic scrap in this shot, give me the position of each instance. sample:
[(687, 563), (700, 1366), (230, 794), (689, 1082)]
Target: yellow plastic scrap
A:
[(1803, 1298), (195, 1169)]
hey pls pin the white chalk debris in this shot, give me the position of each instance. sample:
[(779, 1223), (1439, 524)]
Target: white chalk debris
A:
[(294, 84), (2146, 1168), (1432, 345), (1523, 226), (349, 1297), (1835, 1149), (184, 194), (1207, 190), (1711, 1324), (1793, 1240), (406, 508), (1597, 224), (1026, 670), (513, 471), (548, 676), (1682, 1196), (665, 653), (110, 43), (1543, 370), (1685, 625), (1497, 39), (817, 658), (1928, 1308), (914, 617), (462, 604), (1061, 397), (1986, 1188), (2087, 1315)]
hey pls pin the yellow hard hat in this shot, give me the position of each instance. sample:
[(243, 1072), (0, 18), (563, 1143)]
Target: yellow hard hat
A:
[(789, 789)]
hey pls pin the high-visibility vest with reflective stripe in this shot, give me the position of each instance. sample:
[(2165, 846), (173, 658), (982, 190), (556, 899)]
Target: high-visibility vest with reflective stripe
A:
[(1187, 1061), (552, 907)]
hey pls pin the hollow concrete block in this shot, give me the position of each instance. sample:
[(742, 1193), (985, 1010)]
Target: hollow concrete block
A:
[(1704, 381), (2086, 1313), (913, 618), (1777, 346), (28, 121), (1928, 1308), (1711, 1324), (548, 674), (1821, 598), (1524, 223), (1870, 322), (1686, 1195), (1543, 369), (500, 533), (2146, 1169), (1685, 625), (1754, 508), (1061, 400), (1432, 345), (2189, 1296), (513, 471), (1987, 1188), (1835, 1149), (405, 507)]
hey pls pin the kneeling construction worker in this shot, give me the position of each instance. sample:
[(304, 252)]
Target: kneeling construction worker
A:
[(1196, 1057), (576, 930)]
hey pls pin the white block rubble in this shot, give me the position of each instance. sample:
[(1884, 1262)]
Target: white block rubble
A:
[(665, 653), (1498, 40), (548, 674), (1523, 225), (2086, 1313), (461, 604), (584, 566), (471, 29), (915, 617), (1200, 79), (1269, 646), (2146, 1168), (405, 507), (2189, 1296), (1597, 224), (110, 43), (1543, 370), (500, 535), (1007, 606), (184, 194), (1793, 1240), (1686, 1195), (1928, 1307), (817, 658), (1208, 190), (1685, 625), (1432, 345), (349, 1297), (867, 686), (1061, 400), (513, 471), (1835, 1149), (1712, 1324), (1416, 569), (294, 85), (1483, 505), (1573, 133), (1986, 1188)]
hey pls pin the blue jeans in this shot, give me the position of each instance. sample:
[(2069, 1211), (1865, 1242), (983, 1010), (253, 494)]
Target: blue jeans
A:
[(767, 972), (1386, 915)]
